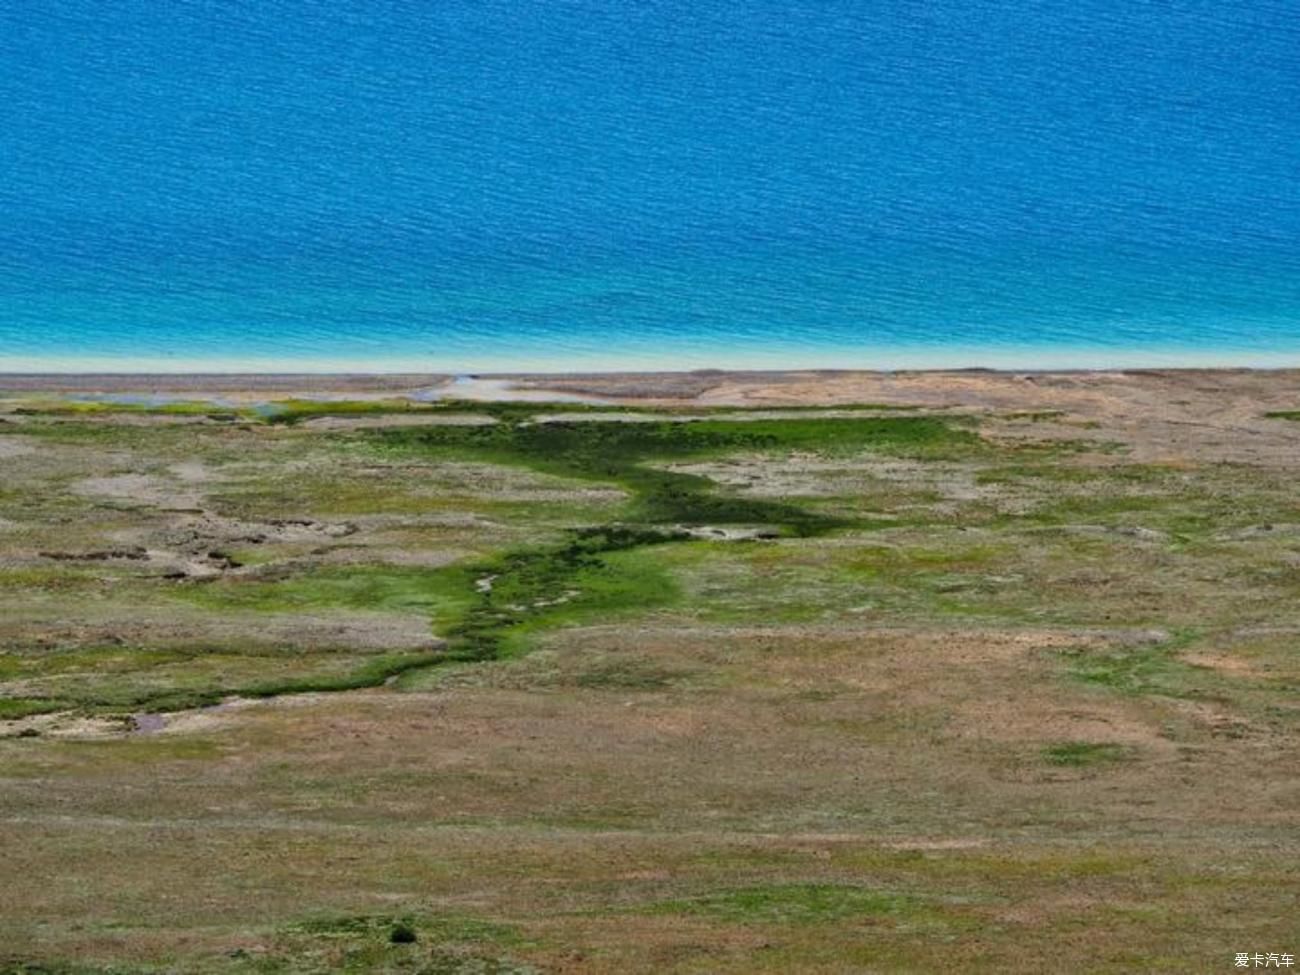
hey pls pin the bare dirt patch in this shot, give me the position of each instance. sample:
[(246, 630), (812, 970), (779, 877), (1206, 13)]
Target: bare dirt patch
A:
[(141, 489), (396, 420)]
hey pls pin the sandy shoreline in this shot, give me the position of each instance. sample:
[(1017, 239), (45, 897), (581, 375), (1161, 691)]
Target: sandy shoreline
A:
[(812, 386), (1161, 415)]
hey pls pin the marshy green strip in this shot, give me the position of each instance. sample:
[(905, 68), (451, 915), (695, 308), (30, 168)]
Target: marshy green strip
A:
[(525, 589), (375, 671)]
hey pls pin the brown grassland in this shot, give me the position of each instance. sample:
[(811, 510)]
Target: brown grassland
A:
[(686, 674)]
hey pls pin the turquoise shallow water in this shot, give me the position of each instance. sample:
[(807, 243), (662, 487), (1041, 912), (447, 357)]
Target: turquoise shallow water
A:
[(526, 185)]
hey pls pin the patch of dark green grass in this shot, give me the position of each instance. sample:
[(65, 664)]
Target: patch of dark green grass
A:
[(287, 412), (1078, 754), (403, 934), (1284, 415), (1034, 416), (12, 708), (375, 671), (527, 589), (372, 673), (115, 698), (606, 450), (274, 412)]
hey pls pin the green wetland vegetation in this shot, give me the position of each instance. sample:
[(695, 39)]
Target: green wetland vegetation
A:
[(525, 588), (461, 687), (489, 607)]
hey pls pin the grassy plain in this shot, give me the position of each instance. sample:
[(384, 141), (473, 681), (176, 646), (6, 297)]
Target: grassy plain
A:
[(988, 674)]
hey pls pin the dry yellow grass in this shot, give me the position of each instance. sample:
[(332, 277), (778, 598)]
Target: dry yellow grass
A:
[(1038, 715)]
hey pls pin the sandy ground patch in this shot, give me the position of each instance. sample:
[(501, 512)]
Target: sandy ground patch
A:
[(397, 420), (141, 489)]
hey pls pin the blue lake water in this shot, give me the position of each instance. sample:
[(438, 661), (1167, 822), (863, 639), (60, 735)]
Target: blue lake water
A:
[(552, 184)]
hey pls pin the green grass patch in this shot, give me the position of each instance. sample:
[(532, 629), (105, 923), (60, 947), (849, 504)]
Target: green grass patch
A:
[(12, 708), (883, 561), (525, 590), (1079, 754), (292, 411), (371, 673), (1141, 669), (52, 578), (439, 593)]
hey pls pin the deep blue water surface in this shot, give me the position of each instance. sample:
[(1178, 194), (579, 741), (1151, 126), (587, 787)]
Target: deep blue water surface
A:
[(466, 185)]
